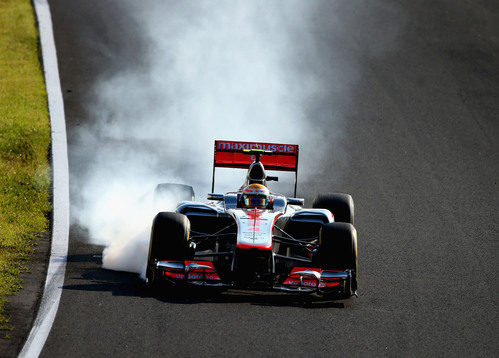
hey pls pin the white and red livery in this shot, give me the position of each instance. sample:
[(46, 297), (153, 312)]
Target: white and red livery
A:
[(280, 246)]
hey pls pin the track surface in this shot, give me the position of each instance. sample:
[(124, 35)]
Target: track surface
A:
[(422, 147)]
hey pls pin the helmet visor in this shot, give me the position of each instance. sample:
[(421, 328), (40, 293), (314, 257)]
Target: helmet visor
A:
[(255, 201)]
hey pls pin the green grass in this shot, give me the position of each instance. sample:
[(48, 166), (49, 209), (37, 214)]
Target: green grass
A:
[(24, 145)]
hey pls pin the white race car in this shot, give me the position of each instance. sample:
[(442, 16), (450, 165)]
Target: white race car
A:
[(253, 238)]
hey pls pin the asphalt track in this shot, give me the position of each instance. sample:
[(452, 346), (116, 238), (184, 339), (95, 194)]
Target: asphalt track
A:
[(421, 143)]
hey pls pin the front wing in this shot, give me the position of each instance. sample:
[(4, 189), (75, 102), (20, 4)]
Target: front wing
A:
[(299, 280)]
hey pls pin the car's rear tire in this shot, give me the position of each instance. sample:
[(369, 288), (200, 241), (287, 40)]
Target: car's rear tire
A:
[(339, 204), (168, 195), (338, 250), (169, 239)]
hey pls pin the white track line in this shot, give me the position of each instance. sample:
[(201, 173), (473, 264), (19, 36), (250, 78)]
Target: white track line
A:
[(60, 229)]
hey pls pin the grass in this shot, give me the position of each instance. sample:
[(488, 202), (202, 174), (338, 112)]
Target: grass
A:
[(24, 146)]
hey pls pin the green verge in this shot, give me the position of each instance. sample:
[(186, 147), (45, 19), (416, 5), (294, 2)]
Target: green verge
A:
[(24, 146)]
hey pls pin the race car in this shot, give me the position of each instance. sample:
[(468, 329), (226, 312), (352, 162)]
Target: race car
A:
[(254, 238)]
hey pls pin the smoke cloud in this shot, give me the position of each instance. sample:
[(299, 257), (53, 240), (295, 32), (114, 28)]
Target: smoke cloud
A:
[(235, 70)]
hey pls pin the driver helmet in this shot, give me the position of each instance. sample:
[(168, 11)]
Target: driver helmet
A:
[(255, 196)]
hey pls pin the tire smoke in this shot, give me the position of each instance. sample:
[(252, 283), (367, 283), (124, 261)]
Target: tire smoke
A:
[(231, 70)]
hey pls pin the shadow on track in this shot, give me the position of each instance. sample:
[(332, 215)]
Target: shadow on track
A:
[(194, 295), (129, 284)]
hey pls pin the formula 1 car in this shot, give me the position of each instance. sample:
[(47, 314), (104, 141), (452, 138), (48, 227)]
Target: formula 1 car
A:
[(253, 238)]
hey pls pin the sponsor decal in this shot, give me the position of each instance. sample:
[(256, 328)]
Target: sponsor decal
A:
[(240, 146), (255, 218), (305, 282), (256, 191), (194, 276), (301, 276), (193, 270), (254, 228), (230, 154), (177, 276), (200, 276)]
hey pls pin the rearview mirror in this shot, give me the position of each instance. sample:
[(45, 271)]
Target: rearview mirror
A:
[(213, 196), (296, 201)]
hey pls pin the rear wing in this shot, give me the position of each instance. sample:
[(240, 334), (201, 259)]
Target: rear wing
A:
[(231, 154)]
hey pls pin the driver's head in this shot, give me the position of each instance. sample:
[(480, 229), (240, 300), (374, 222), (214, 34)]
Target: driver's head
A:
[(256, 196)]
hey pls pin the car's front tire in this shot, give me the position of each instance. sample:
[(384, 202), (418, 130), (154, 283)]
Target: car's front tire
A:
[(169, 240), (338, 251)]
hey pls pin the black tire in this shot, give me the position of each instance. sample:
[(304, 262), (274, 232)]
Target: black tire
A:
[(338, 250), (169, 240), (341, 205), (168, 195)]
